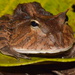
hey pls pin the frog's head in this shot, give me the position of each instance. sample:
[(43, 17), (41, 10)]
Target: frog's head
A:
[(38, 31)]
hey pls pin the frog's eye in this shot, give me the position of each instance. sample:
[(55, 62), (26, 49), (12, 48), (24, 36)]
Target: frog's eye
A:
[(34, 23)]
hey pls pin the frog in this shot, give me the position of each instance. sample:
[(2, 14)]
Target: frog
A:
[(33, 30)]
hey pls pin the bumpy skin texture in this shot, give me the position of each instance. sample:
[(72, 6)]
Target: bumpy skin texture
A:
[(33, 30)]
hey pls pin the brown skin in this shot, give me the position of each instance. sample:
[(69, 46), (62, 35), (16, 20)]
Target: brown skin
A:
[(17, 30)]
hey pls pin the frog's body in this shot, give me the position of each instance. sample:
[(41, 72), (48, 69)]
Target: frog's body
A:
[(33, 30)]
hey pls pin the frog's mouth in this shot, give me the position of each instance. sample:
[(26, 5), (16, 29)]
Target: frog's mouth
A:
[(50, 51)]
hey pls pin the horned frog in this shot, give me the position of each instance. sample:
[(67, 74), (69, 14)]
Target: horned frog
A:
[(33, 30)]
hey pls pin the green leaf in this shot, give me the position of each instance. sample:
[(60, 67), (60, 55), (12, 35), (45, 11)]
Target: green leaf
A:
[(54, 6), (10, 61)]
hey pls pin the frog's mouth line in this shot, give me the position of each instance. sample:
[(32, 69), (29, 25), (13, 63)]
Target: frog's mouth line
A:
[(51, 51)]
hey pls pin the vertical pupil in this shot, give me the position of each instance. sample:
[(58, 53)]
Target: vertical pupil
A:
[(33, 23)]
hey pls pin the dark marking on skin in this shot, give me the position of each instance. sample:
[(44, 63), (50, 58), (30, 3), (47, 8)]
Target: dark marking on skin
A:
[(73, 6), (66, 18), (3, 38), (1, 27)]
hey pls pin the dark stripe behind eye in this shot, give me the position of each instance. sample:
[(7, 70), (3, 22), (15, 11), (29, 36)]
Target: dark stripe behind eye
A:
[(1, 27)]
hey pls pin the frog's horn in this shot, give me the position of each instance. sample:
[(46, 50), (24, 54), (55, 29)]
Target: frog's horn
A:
[(61, 15), (60, 18)]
